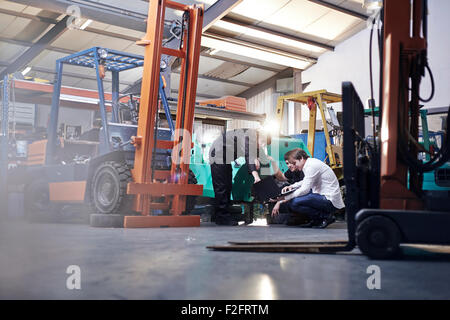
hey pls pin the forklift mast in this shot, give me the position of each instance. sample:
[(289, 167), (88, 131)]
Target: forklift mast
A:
[(144, 185), (404, 60)]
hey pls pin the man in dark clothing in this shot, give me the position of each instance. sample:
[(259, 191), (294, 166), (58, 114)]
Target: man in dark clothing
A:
[(94, 133), (247, 143), (294, 176)]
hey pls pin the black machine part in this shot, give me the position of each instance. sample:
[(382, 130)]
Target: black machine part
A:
[(414, 226)]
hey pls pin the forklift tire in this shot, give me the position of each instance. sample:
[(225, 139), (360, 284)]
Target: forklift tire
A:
[(378, 237), (109, 188), (99, 220)]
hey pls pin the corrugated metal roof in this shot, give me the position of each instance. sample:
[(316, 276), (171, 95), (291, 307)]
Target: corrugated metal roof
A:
[(22, 25)]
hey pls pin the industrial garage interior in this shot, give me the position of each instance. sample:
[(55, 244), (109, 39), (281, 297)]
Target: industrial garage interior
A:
[(113, 114)]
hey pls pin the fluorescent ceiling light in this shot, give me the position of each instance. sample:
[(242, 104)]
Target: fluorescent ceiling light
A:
[(68, 97), (85, 24), (210, 2), (232, 46), (248, 31), (26, 70)]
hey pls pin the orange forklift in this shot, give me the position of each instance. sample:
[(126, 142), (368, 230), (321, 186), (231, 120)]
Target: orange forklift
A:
[(134, 173)]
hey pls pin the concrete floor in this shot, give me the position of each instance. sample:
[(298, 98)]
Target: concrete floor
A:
[(174, 264)]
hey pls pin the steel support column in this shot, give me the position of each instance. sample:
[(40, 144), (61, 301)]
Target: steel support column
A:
[(4, 150), (54, 112), (219, 9), (115, 96)]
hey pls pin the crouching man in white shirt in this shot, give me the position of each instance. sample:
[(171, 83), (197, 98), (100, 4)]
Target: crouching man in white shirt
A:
[(318, 195)]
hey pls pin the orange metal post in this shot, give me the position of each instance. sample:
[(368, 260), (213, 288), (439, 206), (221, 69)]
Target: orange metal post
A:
[(149, 99), (175, 192), (400, 47), (185, 119)]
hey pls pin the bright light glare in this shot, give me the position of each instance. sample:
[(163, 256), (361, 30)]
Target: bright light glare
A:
[(271, 126), (266, 288), (259, 222)]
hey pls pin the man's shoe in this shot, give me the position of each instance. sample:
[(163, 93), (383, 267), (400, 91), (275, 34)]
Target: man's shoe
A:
[(307, 225), (238, 217), (324, 223), (296, 220)]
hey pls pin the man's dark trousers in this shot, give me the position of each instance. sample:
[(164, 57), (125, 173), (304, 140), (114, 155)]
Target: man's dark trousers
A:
[(315, 205), (222, 179)]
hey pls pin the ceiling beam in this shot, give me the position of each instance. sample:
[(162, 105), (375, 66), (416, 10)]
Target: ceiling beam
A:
[(95, 11), (244, 63), (54, 21), (340, 9), (29, 16), (29, 44), (200, 95), (280, 34), (266, 84), (136, 87), (217, 11), (114, 35), (238, 83), (37, 47), (259, 46), (121, 17), (67, 74)]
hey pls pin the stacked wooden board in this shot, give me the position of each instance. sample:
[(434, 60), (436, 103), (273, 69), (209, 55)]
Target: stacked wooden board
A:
[(228, 102)]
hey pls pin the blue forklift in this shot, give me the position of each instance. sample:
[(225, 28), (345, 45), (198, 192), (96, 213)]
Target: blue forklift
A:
[(93, 168)]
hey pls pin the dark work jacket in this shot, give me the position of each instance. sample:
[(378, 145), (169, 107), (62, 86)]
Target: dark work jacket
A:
[(294, 176), (235, 144)]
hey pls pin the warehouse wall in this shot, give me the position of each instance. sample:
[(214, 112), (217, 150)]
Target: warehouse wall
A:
[(21, 113), (206, 133), (263, 102), (68, 116), (350, 62)]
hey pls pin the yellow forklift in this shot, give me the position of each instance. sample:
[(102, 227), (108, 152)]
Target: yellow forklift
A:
[(316, 101)]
